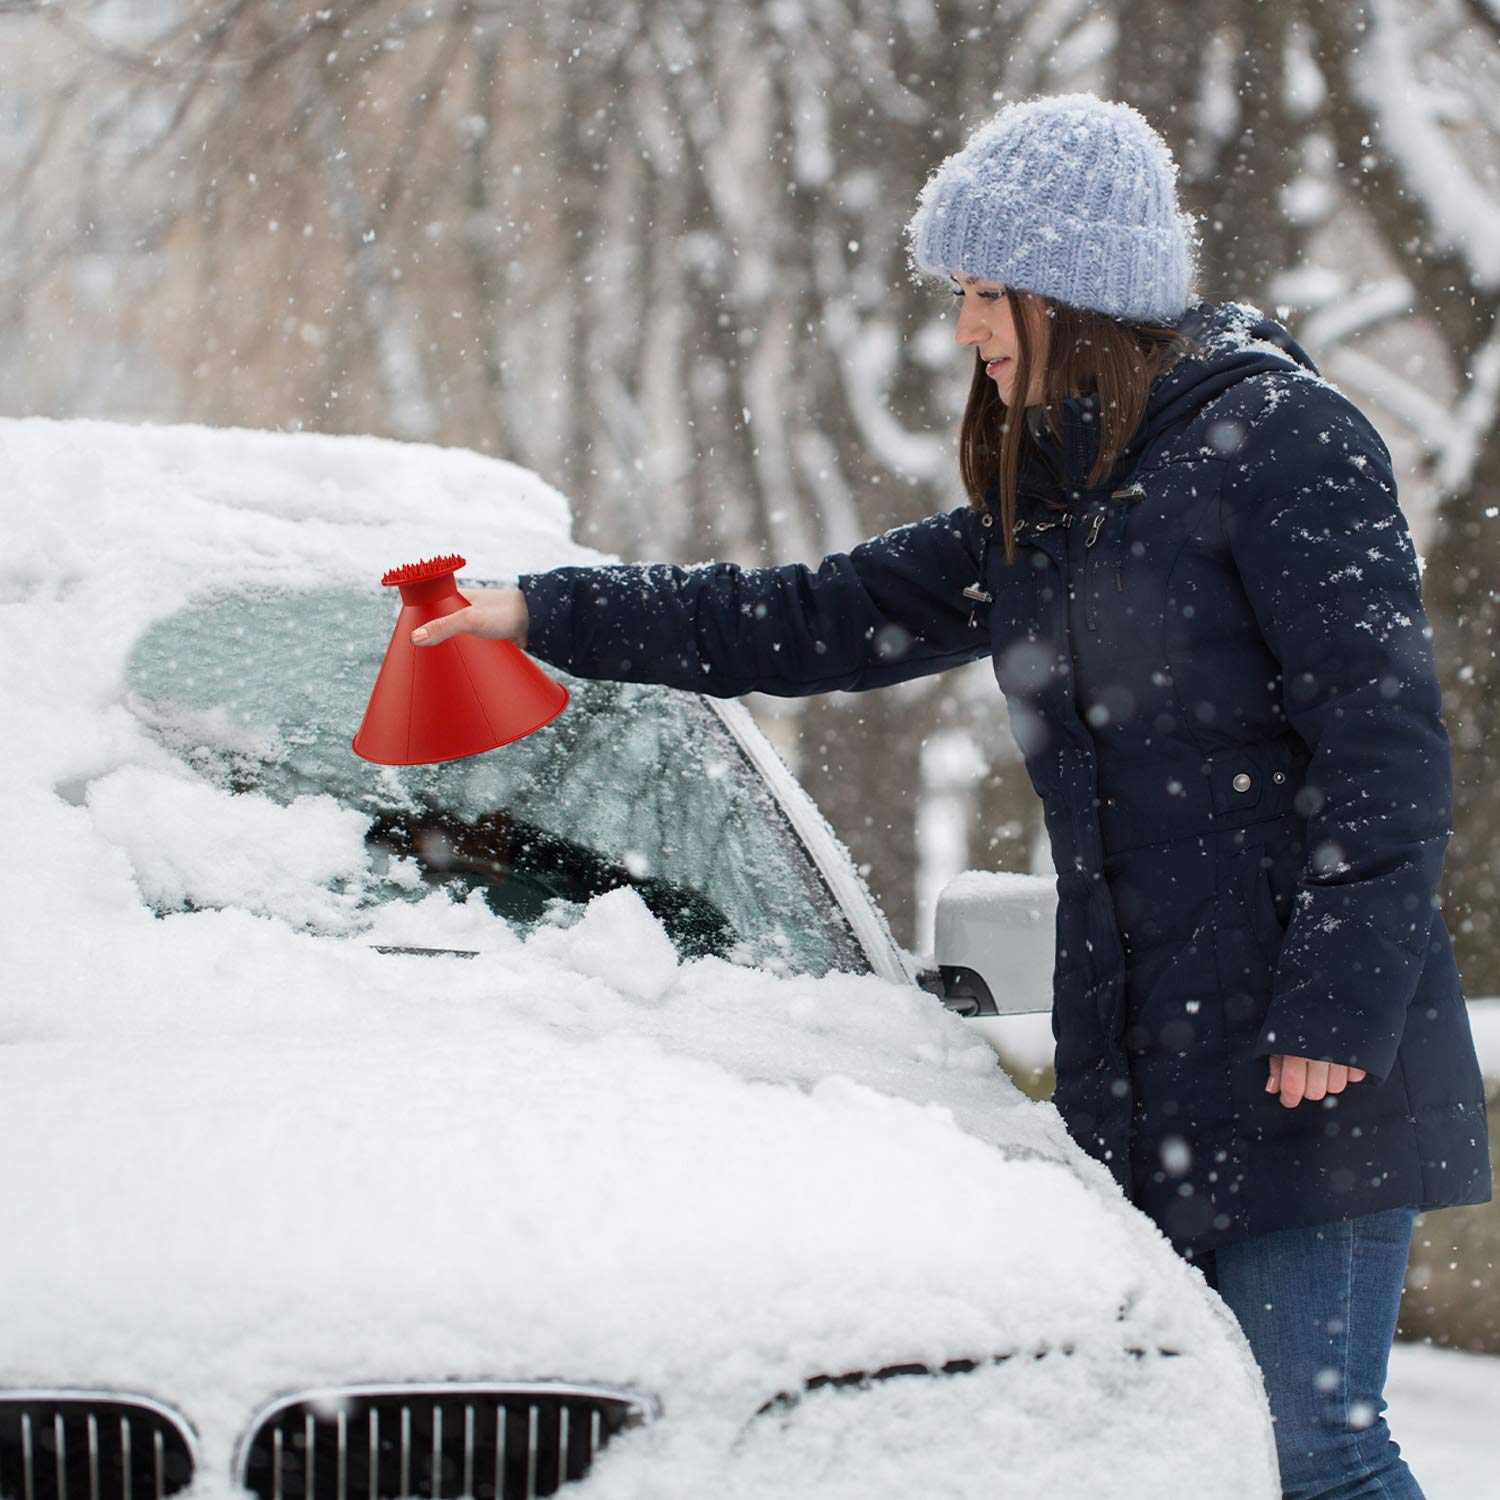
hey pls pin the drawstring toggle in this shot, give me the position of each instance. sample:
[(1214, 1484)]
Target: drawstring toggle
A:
[(976, 590)]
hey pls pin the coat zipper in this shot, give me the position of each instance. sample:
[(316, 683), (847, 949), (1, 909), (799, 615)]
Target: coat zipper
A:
[(1129, 493)]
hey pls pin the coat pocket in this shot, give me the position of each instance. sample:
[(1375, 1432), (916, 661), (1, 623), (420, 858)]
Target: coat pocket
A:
[(1268, 875)]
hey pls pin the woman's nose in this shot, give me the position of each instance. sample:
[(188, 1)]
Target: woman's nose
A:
[(971, 326)]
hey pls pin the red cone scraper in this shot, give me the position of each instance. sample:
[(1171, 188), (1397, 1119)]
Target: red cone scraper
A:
[(461, 697)]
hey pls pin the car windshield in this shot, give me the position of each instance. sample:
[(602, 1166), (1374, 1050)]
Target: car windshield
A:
[(633, 785)]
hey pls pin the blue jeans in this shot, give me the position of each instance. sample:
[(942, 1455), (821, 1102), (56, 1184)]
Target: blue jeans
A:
[(1319, 1307)]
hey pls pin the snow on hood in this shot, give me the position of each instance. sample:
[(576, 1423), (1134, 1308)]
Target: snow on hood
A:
[(242, 1159)]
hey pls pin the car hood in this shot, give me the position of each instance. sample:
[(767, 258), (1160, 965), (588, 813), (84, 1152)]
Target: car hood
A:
[(253, 1162)]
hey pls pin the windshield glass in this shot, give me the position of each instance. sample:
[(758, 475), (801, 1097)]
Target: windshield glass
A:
[(631, 785)]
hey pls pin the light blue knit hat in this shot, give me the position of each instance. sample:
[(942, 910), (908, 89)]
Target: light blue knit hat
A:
[(1068, 195)]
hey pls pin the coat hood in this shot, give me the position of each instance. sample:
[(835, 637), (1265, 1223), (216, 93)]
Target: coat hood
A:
[(1235, 340)]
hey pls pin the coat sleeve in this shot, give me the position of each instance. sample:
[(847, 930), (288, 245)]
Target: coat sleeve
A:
[(1328, 564), (889, 609)]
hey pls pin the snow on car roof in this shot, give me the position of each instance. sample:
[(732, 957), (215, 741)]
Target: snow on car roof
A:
[(242, 1158)]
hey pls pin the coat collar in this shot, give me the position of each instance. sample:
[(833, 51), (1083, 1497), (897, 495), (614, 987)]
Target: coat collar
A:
[(1055, 464)]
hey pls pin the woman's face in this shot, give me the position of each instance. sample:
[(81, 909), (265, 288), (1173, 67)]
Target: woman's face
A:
[(985, 324)]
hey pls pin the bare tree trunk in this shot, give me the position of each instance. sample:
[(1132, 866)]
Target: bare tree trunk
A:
[(1210, 76), (1464, 611), (861, 756)]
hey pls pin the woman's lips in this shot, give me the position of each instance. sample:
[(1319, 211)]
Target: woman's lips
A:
[(992, 365)]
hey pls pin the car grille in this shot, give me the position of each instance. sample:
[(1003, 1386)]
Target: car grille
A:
[(79, 1445), (513, 1442)]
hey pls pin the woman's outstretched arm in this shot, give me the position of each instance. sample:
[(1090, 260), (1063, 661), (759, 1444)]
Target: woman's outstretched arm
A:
[(889, 609)]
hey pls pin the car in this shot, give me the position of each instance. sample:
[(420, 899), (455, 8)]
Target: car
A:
[(560, 1118)]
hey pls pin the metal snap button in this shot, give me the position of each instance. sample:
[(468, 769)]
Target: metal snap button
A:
[(1242, 782), (1278, 777)]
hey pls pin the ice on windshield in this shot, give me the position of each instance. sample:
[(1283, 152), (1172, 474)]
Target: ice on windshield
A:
[(260, 694)]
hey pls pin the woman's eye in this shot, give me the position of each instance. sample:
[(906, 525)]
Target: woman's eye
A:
[(957, 291)]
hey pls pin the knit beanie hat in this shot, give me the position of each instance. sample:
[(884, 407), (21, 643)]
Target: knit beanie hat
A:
[(1067, 195)]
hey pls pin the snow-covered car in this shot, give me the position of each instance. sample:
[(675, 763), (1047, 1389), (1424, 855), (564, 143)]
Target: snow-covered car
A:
[(561, 1117)]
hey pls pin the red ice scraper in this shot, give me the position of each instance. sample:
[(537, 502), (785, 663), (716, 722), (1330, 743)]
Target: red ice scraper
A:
[(461, 697)]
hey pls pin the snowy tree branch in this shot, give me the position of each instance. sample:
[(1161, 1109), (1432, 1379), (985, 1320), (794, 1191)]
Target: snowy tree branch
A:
[(1461, 213)]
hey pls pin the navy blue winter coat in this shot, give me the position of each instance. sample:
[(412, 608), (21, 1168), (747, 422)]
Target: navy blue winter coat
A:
[(1219, 670)]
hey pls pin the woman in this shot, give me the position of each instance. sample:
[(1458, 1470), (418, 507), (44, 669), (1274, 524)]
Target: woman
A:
[(1206, 618)]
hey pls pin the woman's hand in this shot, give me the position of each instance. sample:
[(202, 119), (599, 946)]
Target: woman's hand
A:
[(1299, 1078), (493, 615)]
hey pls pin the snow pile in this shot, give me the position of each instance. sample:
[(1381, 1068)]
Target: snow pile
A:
[(188, 842), (1442, 1413), (246, 1158)]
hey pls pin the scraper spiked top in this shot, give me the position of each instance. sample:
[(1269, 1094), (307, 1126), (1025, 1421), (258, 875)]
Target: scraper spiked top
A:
[(420, 572), (459, 698)]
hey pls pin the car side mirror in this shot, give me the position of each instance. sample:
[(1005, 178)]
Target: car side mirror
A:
[(994, 944)]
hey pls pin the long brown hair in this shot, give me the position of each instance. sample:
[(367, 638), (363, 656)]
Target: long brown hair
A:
[(1085, 351)]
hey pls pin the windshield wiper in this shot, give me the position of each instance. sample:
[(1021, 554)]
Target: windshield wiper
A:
[(430, 952)]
